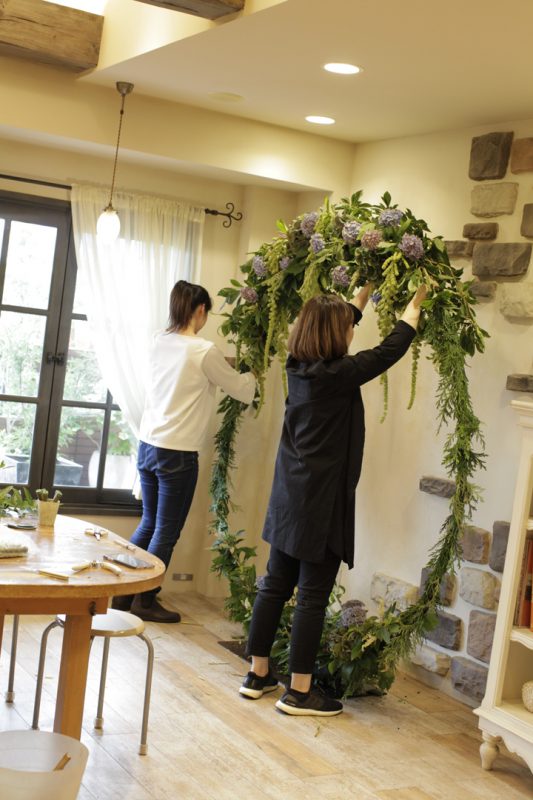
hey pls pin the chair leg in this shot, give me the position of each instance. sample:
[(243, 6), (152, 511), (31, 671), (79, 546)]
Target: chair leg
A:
[(40, 674), (99, 720), (147, 693), (10, 694)]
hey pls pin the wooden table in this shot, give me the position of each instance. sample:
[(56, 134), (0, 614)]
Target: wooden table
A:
[(85, 594)]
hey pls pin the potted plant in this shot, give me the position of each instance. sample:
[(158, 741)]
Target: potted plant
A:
[(14, 501), (47, 508)]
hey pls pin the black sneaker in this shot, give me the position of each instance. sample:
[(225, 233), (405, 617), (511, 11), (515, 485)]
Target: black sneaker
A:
[(310, 704), (255, 687), (154, 612)]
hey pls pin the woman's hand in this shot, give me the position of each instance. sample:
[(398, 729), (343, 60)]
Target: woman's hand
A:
[(420, 296), (411, 315), (361, 299)]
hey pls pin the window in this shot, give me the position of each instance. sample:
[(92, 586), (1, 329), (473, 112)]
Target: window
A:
[(59, 427)]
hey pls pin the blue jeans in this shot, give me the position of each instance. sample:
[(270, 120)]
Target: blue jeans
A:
[(168, 480)]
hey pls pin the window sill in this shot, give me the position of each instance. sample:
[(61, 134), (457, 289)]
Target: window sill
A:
[(100, 510)]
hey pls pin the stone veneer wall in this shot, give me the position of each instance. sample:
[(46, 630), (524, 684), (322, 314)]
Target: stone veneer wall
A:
[(458, 649), (498, 267)]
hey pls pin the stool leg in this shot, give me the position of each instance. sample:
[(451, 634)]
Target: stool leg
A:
[(40, 674), (147, 693), (10, 694), (99, 720)]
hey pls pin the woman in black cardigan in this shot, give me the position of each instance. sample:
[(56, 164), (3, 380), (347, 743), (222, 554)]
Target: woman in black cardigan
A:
[(310, 517)]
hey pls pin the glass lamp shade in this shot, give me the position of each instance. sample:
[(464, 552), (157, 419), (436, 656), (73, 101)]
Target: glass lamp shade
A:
[(108, 226)]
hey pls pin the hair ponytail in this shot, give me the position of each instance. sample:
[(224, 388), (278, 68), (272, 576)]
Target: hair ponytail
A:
[(185, 298)]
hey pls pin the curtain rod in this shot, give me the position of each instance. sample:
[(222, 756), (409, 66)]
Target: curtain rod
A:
[(230, 216)]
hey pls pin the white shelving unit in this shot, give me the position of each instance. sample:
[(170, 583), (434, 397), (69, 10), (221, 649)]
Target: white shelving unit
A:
[(502, 716)]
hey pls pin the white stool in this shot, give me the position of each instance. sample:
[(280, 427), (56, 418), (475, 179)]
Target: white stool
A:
[(113, 624)]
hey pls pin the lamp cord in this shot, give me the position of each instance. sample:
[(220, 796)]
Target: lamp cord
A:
[(110, 204)]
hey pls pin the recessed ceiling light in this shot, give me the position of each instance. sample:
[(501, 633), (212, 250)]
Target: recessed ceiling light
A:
[(226, 97), (321, 120), (342, 69)]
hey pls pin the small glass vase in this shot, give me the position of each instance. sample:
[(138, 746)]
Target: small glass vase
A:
[(527, 695), (47, 513)]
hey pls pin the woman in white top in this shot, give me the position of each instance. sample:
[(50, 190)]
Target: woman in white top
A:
[(184, 373)]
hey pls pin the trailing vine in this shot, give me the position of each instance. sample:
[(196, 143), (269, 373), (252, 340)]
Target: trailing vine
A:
[(337, 249)]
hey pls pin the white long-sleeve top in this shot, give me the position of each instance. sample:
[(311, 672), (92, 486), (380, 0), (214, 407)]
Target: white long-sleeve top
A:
[(184, 374)]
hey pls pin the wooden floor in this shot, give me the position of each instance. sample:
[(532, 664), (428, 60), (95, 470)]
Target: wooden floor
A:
[(208, 743)]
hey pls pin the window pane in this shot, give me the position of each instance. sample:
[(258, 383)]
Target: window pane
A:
[(17, 421), (22, 337), (30, 258), (120, 463), (83, 379), (78, 451)]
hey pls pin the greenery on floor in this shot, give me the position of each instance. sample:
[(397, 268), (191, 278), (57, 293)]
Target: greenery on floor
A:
[(338, 249)]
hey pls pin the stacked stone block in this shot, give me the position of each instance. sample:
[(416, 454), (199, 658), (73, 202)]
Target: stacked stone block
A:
[(477, 584), (495, 262)]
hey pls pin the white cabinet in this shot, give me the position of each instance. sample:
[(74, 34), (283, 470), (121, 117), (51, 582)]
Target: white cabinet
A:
[(502, 716)]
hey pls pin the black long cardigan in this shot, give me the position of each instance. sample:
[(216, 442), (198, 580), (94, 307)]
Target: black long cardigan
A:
[(312, 503)]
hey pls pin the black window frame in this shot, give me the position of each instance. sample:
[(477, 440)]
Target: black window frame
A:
[(49, 399)]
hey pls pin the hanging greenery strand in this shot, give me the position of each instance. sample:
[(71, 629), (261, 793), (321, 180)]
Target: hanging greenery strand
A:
[(337, 249)]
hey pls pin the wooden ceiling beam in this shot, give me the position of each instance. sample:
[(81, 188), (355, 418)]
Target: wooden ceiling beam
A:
[(46, 32), (208, 9)]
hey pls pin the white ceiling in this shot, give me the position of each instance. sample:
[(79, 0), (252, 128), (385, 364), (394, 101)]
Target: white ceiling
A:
[(428, 65)]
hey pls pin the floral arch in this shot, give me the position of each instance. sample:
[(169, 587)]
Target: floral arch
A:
[(337, 249)]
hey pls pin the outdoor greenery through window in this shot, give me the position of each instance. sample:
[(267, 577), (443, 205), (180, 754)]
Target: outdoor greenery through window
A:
[(59, 426)]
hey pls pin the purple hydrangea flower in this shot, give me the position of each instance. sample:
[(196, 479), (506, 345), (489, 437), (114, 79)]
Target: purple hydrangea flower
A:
[(375, 297), (340, 277), (391, 216), (284, 262), (308, 223), (317, 243), (350, 232), (259, 266), (371, 239), (249, 294), (412, 246)]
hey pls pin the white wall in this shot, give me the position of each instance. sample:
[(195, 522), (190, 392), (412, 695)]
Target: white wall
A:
[(396, 524)]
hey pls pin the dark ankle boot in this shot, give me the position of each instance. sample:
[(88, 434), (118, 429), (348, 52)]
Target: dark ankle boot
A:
[(122, 602), (150, 610)]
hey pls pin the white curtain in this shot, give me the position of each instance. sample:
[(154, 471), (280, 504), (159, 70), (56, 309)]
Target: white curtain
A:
[(126, 284)]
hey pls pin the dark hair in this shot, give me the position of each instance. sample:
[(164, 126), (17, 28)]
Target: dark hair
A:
[(320, 330), (185, 298)]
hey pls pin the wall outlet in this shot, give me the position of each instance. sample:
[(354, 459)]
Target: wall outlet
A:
[(182, 576)]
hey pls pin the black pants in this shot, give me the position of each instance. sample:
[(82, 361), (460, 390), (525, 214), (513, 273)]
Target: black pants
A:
[(315, 582)]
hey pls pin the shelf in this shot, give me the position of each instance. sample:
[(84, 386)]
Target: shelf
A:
[(516, 710), (522, 636)]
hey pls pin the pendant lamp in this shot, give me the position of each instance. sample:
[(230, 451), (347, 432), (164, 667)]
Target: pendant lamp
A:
[(108, 225)]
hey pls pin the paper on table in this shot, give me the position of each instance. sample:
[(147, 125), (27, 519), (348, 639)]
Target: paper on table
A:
[(13, 544)]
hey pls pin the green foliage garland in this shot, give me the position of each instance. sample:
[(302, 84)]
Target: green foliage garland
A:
[(337, 249)]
